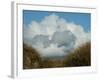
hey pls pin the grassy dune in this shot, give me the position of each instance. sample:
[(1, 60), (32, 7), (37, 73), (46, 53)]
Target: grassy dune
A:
[(52, 63), (31, 58), (80, 57)]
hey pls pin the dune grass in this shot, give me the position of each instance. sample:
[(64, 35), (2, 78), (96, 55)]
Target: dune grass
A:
[(31, 58), (80, 57)]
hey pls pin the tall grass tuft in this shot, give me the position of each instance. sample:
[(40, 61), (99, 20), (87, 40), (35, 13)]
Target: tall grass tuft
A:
[(31, 58), (80, 57)]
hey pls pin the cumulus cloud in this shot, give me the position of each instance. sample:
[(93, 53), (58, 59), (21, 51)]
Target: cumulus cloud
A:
[(64, 38), (54, 36), (51, 51), (41, 41)]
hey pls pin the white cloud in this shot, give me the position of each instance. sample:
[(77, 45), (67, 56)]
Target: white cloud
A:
[(64, 38), (78, 31), (54, 35), (40, 41), (52, 50)]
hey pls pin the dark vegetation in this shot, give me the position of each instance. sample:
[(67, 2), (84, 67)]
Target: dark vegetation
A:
[(31, 58), (80, 57)]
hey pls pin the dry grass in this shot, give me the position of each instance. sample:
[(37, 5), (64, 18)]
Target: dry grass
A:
[(31, 58), (80, 57), (52, 63)]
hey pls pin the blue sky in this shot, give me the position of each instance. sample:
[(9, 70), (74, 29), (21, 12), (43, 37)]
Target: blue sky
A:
[(83, 19)]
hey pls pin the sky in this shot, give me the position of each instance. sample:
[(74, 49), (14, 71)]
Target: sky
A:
[(56, 33), (83, 19)]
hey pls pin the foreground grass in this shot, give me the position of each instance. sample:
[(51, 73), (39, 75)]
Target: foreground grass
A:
[(80, 57), (31, 58)]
